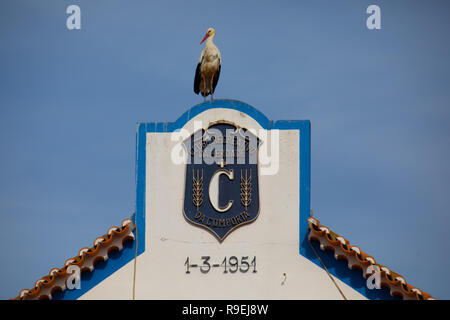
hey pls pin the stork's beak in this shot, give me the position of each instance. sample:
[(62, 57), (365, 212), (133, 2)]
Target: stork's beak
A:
[(206, 36)]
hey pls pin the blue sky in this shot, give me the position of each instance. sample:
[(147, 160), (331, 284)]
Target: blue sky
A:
[(378, 101)]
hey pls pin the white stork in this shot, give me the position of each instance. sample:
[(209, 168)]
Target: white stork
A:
[(208, 67)]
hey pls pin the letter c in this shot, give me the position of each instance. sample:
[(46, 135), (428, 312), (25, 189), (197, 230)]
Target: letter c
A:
[(214, 190)]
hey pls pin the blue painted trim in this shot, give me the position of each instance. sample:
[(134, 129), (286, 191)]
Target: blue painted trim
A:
[(139, 216), (337, 268), (223, 103)]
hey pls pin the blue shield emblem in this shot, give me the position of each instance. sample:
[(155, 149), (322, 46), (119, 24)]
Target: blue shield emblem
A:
[(221, 192)]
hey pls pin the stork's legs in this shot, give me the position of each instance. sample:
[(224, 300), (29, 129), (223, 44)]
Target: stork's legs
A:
[(211, 88), (203, 89)]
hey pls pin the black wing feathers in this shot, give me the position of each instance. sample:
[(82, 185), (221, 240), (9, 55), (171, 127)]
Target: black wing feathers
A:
[(197, 79), (216, 79)]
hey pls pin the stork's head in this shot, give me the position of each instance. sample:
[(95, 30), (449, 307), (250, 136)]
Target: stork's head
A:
[(210, 33)]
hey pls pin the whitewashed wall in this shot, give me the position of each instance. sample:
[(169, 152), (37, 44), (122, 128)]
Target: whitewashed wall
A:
[(273, 238)]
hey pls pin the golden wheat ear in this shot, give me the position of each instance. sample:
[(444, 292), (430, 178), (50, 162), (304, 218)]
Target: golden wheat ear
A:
[(246, 188), (197, 189)]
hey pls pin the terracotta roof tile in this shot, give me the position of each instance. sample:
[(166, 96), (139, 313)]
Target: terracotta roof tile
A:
[(85, 260), (356, 259)]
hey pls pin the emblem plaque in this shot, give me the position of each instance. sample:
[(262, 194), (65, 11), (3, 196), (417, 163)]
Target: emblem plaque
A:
[(221, 187)]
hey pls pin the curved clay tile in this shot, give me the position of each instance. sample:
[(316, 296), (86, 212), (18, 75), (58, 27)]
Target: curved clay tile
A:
[(356, 259), (85, 260)]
